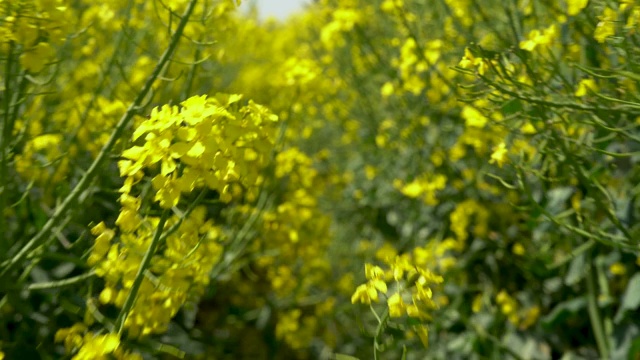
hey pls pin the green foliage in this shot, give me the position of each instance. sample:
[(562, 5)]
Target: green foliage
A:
[(477, 158)]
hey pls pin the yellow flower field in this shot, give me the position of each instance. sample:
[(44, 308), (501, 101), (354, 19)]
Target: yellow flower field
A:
[(387, 179)]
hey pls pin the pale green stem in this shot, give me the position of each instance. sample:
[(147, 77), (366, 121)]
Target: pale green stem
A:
[(137, 282), (594, 312), (62, 283), (5, 134), (382, 324)]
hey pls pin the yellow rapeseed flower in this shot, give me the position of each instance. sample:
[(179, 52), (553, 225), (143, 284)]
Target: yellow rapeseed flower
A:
[(96, 346), (618, 269), (606, 26), (396, 305), (575, 6), (539, 38), (499, 155), (586, 85), (473, 117)]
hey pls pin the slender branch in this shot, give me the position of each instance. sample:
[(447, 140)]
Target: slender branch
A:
[(137, 282), (382, 324), (594, 313), (5, 133), (61, 283)]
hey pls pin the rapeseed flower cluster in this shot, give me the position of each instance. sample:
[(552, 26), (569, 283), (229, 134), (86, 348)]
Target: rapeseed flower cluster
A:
[(540, 38), (32, 28), (88, 345), (406, 287), (210, 143), (523, 318), (215, 144)]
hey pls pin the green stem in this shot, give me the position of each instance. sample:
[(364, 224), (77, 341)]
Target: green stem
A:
[(5, 134), (382, 324), (604, 238), (137, 282), (156, 346), (592, 183), (553, 104), (573, 254), (61, 283), (98, 316), (95, 167), (594, 314)]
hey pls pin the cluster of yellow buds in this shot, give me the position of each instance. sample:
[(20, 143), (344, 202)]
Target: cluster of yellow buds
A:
[(411, 294), (207, 143), (34, 26), (523, 318), (217, 142), (470, 61), (88, 345)]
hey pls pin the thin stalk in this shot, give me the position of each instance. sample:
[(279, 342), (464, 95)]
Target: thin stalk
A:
[(553, 104), (572, 255), (594, 312), (5, 133), (382, 324), (62, 283), (95, 167), (192, 73), (242, 239), (137, 282)]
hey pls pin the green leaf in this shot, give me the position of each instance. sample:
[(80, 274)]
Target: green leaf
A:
[(623, 340), (631, 297), (634, 350), (564, 310), (512, 107), (557, 198), (577, 270), (344, 357), (571, 356)]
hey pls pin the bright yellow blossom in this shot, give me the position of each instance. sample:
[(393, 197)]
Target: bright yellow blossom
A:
[(618, 269), (586, 85), (539, 38), (575, 6), (499, 155), (606, 26)]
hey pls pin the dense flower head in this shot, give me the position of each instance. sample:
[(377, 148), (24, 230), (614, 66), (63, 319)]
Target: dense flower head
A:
[(406, 286), (89, 345), (540, 38), (216, 141), (207, 142)]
